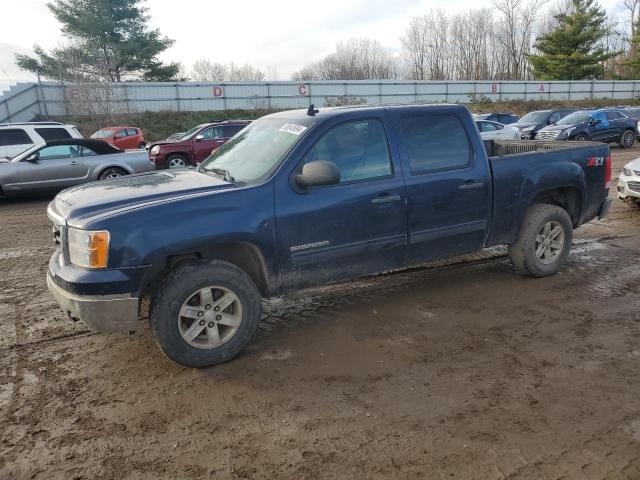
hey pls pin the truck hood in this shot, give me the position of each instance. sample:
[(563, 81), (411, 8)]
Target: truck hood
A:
[(83, 202)]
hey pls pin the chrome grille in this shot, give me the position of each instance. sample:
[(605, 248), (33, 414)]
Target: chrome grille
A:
[(634, 186), (547, 135)]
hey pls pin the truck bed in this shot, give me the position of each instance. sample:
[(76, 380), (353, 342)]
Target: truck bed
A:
[(521, 169)]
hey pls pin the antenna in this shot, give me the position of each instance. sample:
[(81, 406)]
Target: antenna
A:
[(311, 111)]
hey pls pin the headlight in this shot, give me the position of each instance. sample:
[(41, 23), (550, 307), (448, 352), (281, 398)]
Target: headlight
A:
[(566, 133), (627, 172), (88, 249), (154, 150)]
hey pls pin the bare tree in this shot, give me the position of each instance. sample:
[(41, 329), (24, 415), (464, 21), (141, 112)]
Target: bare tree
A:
[(515, 25), (357, 59), (204, 70), (633, 6)]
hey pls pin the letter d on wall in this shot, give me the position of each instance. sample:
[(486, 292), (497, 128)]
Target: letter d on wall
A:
[(217, 91)]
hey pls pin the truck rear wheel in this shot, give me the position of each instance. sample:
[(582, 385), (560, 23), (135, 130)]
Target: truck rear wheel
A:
[(205, 313), (544, 241)]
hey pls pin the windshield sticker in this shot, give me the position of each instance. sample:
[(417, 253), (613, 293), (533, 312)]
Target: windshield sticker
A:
[(293, 128)]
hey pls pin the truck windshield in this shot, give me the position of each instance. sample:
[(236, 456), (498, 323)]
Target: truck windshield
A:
[(257, 150), (535, 117), (576, 118)]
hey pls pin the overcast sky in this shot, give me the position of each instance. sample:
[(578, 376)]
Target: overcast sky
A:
[(280, 34)]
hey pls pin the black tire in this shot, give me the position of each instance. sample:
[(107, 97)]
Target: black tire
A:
[(581, 138), (177, 287), (142, 145), (523, 251), (179, 160), (112, 173), (627, 139)]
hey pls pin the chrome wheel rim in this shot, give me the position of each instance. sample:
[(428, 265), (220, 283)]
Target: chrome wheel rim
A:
[(210, 317), (176, 163), (628, 139), (549, 242), (113, 175)]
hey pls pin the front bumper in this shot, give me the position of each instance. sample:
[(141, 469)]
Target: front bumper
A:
[(100, 313), (159, 161), (628, 186)]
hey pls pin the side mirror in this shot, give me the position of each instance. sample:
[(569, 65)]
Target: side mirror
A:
[(594, 121), (33, 158), (199, 138), (318, 173)]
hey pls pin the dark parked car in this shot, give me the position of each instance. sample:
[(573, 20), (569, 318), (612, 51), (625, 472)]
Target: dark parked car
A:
[(195, 145), (308, 197), (529, 125), (633, 112), (604, 125), (505, 118)]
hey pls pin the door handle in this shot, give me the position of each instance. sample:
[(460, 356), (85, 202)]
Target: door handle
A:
[(385, 198), (73, 162), (471, 185), (219, 141)]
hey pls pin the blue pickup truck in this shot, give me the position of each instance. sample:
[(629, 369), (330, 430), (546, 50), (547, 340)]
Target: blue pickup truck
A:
[(304, 198)]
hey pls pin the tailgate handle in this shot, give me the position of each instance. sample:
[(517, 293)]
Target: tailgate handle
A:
[(386, 198), (470, 185)]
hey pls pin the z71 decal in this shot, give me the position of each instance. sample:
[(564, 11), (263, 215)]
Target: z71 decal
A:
[(595, 161)]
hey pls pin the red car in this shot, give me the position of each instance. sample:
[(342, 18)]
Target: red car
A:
[(122, 137), (195, 145)]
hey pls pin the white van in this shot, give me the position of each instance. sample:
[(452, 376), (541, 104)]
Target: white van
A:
[(15, 138)]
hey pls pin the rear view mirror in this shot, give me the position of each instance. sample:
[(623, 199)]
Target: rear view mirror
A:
[(318, 173), (33, 158)]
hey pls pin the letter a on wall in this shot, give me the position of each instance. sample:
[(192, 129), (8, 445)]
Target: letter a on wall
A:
[(541, 88)]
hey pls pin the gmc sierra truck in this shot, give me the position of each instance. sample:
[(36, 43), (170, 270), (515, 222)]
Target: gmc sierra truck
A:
[(304, 198)]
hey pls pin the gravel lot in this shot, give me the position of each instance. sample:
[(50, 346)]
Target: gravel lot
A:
[(461, 370)]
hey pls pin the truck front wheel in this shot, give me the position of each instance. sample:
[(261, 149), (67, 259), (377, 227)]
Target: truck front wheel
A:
[(205, 313), (544, 241)]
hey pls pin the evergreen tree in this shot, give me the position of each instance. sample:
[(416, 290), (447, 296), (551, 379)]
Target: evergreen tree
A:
[(108, 40), (573, 50)]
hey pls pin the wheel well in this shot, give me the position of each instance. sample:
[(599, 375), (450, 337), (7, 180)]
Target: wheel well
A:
[(185, 155), (567, 198), (113, 166), (244, 256)]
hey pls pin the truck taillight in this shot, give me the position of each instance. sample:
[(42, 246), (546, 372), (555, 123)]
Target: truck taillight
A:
[(607, 171)]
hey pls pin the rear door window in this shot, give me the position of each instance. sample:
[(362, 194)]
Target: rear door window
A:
[(230, 130), (435, 142), (614, 115), (49, 134), (15, 136), (131, 132)]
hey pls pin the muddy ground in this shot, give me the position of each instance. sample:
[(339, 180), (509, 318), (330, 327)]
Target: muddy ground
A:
[(453, 371)]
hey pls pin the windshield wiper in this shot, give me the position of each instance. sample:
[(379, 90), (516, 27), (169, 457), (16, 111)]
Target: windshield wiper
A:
[(222, 173)]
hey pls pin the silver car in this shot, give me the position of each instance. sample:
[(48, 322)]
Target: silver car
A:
[(63, 163)]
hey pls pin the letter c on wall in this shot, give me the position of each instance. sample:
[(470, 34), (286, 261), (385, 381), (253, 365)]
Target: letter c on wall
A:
[(302, 90)]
